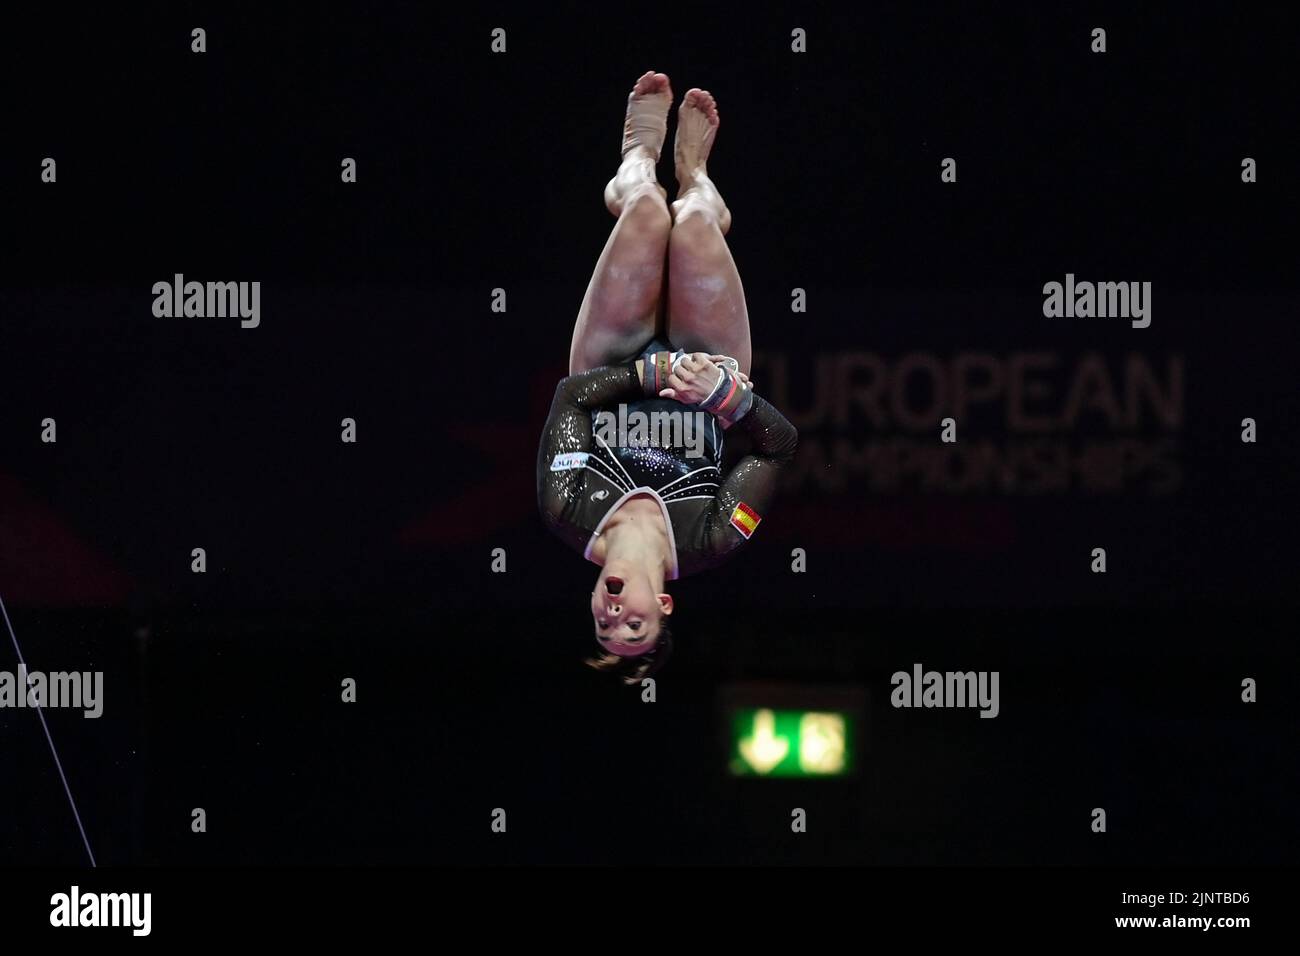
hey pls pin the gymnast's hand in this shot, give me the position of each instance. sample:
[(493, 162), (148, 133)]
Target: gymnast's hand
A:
[(744, 379), (693, 379)]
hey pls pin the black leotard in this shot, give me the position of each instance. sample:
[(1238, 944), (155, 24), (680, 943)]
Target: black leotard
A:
[(582, 479)]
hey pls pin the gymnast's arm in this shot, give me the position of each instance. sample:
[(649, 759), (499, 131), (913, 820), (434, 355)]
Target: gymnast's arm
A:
[(753, 481), (568, 430)]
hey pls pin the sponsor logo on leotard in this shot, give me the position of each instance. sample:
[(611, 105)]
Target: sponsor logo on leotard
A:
[(599, 495), (566, 461)]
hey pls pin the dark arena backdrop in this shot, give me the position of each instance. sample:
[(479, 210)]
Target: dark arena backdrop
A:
[(885, 296)]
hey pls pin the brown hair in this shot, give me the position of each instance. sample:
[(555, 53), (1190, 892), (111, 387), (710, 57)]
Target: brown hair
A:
[(632, 670)]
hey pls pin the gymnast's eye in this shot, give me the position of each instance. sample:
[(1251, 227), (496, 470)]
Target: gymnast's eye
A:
[(635, 625)]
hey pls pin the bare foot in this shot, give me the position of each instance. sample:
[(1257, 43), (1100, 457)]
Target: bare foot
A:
[(646, 122), (644, 129), (697, 125)]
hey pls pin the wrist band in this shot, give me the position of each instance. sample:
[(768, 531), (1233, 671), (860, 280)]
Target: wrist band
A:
[(656, 367), (730, 399), (743, 404)]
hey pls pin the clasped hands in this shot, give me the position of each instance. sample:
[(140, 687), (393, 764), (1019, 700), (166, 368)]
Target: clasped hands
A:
[(695, 376)]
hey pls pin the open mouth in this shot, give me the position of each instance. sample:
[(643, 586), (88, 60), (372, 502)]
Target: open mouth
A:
[(614, 585)]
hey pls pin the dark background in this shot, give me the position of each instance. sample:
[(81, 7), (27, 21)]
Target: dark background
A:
[(479, 171)]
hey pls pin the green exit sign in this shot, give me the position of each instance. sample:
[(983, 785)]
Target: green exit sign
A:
[(769, 742)]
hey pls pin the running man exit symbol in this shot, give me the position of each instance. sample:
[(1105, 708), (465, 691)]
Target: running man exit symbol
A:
[(821, 743)]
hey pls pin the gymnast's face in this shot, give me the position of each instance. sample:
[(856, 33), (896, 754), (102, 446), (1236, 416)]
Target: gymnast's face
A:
[(627, 611)]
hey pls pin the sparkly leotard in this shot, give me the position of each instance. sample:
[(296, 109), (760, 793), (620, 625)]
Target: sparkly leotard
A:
[(582, 477)]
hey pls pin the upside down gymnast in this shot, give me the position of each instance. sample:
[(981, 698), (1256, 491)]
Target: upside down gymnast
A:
[(650, 513)]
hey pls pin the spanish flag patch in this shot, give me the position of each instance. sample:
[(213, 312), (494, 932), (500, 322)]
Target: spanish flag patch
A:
[(745, 519)]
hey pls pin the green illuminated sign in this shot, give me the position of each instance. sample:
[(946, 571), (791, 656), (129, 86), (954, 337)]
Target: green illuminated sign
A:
[(790, 743)]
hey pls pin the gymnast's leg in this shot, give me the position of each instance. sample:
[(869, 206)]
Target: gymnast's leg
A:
[(706, 301), (621, 309)]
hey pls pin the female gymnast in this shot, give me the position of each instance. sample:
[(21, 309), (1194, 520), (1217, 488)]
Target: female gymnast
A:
[(652, 508)]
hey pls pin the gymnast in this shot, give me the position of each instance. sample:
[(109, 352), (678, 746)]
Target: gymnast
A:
[(649, 513)]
